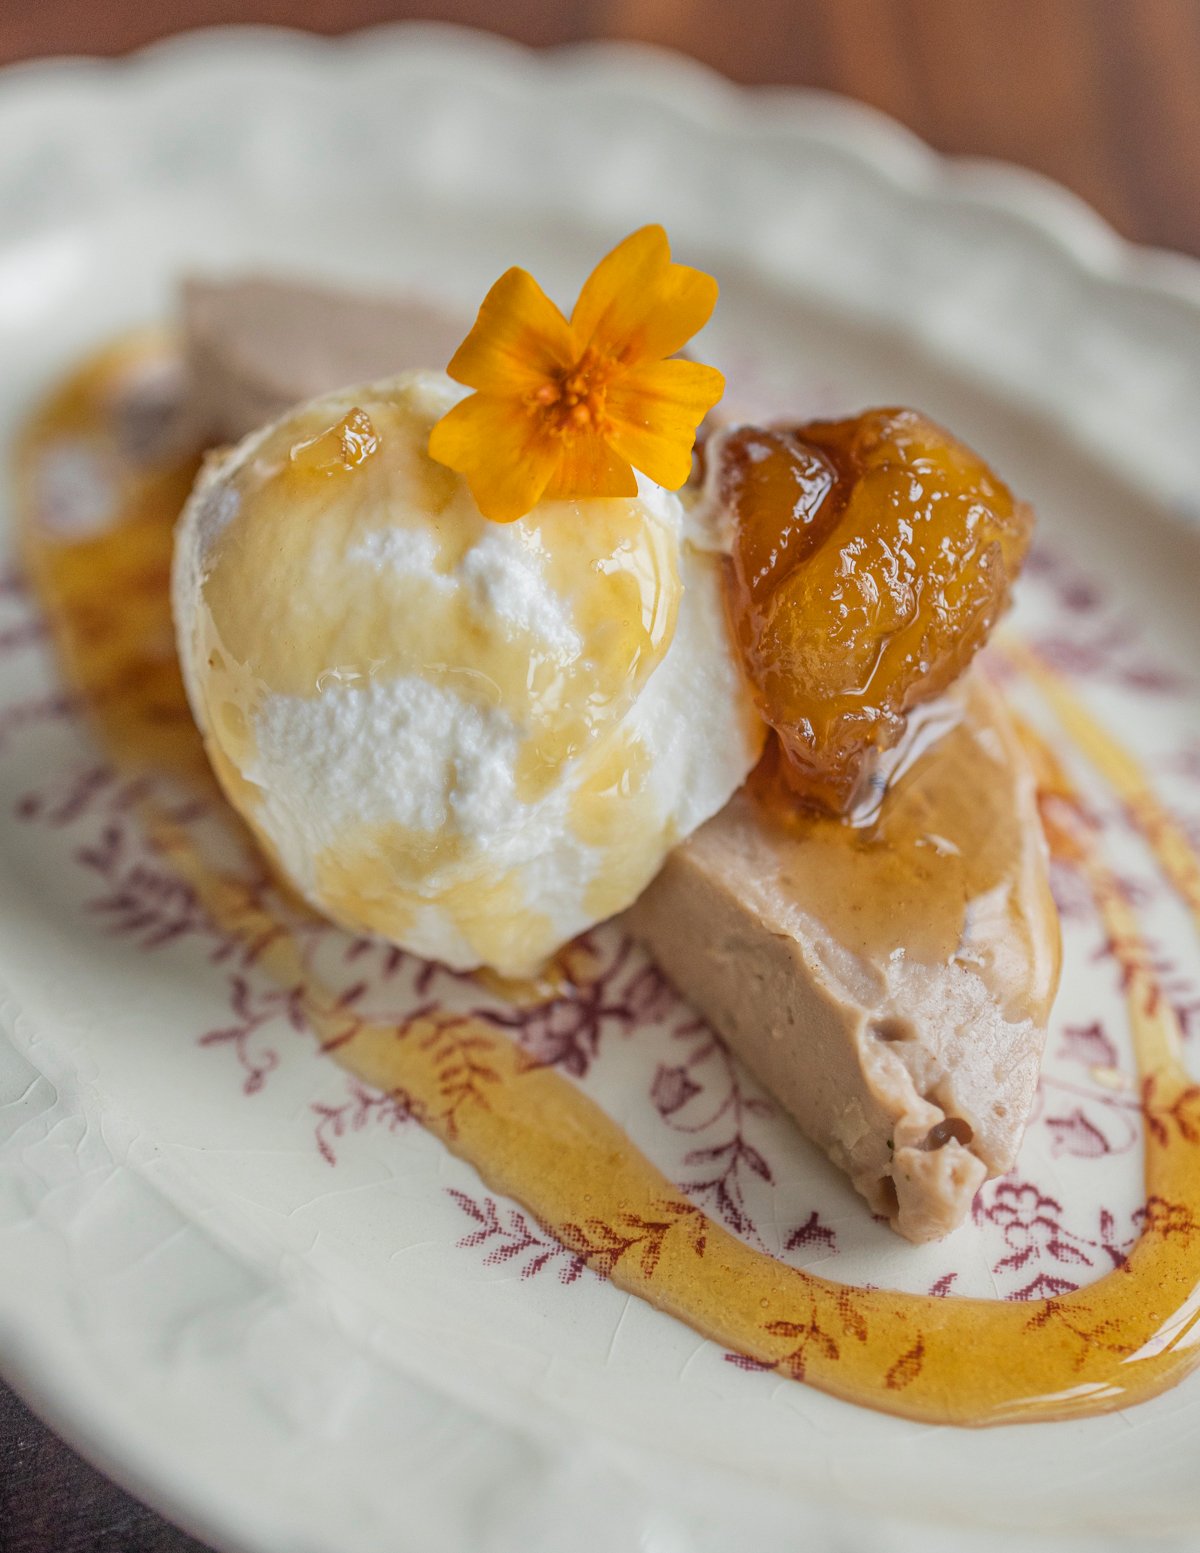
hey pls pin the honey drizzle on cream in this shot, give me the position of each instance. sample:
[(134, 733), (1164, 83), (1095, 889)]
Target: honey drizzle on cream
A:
[(535, 1137), (348, 617)]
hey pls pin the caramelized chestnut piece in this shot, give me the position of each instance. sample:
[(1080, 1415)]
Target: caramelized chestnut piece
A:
[(871, 558)]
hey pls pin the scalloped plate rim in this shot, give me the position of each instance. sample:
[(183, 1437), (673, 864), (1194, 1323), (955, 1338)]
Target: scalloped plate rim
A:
[(878, 142)]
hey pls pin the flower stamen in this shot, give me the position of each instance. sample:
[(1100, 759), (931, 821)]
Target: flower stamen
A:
[(573, 402)]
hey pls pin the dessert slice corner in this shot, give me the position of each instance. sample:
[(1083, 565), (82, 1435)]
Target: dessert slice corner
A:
[(889, 987)]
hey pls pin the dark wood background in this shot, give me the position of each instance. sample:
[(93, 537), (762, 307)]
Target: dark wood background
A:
[(1103, 95)]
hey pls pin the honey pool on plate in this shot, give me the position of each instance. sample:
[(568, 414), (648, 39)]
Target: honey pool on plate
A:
[(529, 1132)]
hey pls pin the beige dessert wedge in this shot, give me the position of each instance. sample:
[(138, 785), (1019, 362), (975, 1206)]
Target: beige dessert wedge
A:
[(890, 985)]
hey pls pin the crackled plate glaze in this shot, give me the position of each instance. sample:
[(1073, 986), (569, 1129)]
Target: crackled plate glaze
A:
[(260, 1291)]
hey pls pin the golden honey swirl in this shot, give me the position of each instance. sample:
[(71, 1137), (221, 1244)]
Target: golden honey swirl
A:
[(534, 1136)]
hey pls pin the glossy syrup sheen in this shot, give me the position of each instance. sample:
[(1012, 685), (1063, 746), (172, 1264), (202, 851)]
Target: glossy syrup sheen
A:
[(948, 835), (535, 1137), (894, 561)]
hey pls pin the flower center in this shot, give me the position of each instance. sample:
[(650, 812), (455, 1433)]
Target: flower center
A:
[(573, 402)]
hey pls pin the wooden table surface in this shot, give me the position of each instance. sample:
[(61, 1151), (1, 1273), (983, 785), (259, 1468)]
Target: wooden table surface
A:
[(1099, 94)]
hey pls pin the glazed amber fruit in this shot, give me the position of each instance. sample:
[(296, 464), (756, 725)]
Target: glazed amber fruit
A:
[(871, 558)]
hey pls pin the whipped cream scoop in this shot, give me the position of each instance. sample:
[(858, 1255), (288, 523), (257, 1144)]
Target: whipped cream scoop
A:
[(473, 739)]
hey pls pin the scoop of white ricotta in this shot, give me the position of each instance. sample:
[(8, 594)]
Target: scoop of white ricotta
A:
[(473, 739)]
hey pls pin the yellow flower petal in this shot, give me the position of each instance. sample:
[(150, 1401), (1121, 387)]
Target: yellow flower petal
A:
[(503, 453), (519, 339), (565, 409), (653, 414), (637, 305), (589, 467)]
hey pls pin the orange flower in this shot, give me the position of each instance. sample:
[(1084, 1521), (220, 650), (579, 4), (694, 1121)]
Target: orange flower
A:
[(570, 409)]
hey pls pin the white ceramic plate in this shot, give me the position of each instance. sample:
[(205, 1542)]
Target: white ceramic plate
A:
[(255, 1293)]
